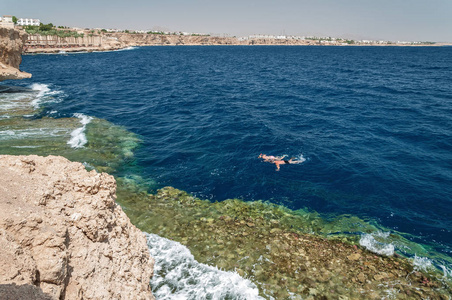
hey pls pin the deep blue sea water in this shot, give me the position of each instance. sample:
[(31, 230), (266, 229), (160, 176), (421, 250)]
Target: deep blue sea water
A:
[(373, 123)]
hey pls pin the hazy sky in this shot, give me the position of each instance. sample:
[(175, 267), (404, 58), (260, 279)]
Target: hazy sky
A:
[(403, 20)]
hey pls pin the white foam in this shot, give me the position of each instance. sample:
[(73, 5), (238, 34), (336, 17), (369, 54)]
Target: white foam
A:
[(300, 158), (42, 90), (7, 133), (84, 119), (29, 100), (32, 133), (422, 263), (127, 49), (447, 272), (45, 94), (78, 137), (375, 242), (14, 101), (177, 275), (106, 51)]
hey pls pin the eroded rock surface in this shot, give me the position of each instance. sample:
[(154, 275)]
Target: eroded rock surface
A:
[(12, 42), (62, 232)]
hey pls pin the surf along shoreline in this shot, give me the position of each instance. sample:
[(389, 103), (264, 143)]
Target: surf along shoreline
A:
[(271, 245)]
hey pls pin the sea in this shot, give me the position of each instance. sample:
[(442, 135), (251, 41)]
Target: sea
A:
[(372, 127)]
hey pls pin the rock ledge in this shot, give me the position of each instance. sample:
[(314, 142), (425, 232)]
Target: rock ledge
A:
[(12, 42), (63, 236)]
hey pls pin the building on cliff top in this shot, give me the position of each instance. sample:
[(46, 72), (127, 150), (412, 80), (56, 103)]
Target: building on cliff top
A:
[(7, 21), (27, 22)]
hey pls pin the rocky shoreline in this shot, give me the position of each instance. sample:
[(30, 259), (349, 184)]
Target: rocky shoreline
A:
[(63, 50), (119, 40), (11, 45), (63, 236), (273, 247)]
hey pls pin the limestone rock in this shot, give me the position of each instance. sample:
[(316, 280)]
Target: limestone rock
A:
[(361, 277), (11, 45), (354, 256), (63, 236)]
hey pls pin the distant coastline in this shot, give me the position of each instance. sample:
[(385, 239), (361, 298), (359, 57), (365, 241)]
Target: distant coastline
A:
[(91, 40)]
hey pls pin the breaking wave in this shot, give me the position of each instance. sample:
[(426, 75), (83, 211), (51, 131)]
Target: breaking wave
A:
[(44, 95), (422, 263), (78, 137), (375, 242), (177, 275)]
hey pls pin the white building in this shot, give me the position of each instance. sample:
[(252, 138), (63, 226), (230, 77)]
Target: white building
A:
[(27, 22), (7, 21)]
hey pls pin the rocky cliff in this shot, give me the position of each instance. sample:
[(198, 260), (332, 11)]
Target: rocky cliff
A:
[(113, 41), (63, 236), (126, 39), (143, 39), (11, 45)]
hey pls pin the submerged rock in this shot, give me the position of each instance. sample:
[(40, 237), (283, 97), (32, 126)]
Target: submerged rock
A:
[(278, 254), (63, 236)]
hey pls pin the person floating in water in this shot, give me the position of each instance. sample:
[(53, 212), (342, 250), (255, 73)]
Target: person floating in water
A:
[(270, 158), (279, 160)]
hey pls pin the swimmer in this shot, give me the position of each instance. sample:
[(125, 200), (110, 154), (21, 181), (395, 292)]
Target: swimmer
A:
[(279, 160), (282, 162), (271, 158)]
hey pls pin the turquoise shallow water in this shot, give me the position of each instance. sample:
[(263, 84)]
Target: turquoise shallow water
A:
[(373, 123)]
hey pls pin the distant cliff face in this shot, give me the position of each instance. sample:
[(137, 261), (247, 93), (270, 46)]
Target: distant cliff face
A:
[(11, 45), (126, 39), (129, 39), (62, 236)]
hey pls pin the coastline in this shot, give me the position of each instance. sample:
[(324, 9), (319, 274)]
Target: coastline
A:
[(276, 248), (117, 41), (11, 48), (65, 235), (62, 50)]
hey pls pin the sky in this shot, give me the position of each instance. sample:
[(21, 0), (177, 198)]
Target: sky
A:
[(393, 20)]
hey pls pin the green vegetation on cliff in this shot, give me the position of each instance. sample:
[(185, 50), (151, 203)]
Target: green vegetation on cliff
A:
[(49, 29)]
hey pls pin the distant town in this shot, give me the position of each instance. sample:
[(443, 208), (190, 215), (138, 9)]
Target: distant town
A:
[(43, 36)]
